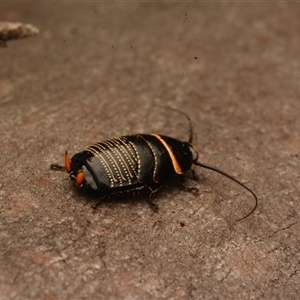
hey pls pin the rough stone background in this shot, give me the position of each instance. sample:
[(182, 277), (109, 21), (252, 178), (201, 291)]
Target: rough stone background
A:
[(98, 70)]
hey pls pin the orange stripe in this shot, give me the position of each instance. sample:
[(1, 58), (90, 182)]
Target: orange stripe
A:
[(175, 163), (68, 162)]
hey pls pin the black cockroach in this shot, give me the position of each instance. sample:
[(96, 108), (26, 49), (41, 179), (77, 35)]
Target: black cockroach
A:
[(135, 163)]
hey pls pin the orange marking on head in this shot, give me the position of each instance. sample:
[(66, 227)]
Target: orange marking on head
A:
[(79, 178), (174, 160), (68, 162)]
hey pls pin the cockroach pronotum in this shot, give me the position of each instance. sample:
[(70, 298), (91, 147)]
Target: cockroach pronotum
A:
[(138, 162)]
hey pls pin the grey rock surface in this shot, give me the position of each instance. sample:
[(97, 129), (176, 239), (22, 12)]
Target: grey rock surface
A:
[(98, 70)]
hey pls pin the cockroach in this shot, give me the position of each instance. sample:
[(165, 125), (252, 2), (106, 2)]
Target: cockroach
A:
[(137, 162)]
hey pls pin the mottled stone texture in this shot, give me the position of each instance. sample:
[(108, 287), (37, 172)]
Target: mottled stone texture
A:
[(98, 70)]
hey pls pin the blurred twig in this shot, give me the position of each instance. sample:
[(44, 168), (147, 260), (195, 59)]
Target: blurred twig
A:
[(15, 30)]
